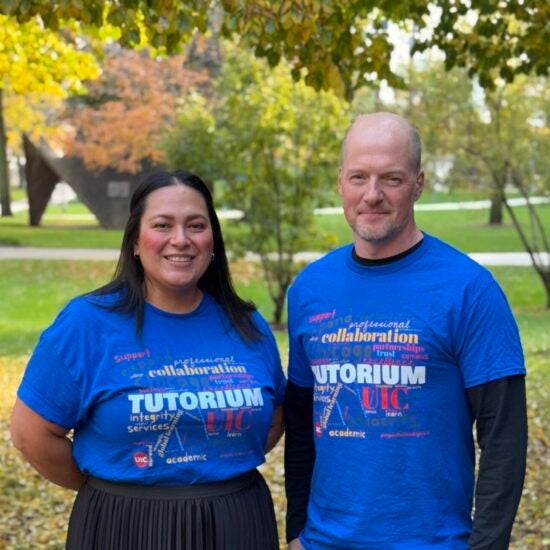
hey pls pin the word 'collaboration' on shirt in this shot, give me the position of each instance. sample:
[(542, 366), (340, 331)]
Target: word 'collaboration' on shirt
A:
[(185, 370), (357, 335)]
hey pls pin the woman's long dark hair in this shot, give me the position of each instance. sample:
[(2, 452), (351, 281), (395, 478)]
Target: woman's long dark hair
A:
[(128, 278)]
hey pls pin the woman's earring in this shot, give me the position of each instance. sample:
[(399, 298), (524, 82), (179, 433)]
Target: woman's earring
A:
[(212, 258)]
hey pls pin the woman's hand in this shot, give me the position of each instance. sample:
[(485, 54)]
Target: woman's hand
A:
[(277, 429)]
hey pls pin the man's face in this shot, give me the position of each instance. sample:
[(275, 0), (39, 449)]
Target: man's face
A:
[(379, 185)]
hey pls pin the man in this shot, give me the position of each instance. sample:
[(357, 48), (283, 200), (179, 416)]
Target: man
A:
[(398, 343)]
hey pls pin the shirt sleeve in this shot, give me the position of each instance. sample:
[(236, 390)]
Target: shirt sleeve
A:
[(271, 353), (500, 410), (299, 371), (487, 342), (299, 456), (48, 387), (280, 382)]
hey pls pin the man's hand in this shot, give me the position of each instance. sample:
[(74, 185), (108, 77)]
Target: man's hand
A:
[(295, 545)]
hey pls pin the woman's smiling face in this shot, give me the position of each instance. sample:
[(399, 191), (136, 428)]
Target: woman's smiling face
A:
[(174, 245)]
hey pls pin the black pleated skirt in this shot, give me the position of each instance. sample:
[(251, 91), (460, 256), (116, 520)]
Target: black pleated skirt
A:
[(231, 515)]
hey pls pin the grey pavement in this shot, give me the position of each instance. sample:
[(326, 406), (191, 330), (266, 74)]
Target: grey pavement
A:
[(35, 253)]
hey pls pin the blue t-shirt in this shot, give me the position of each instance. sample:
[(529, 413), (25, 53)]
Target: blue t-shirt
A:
[(390, 350), (187, 402)]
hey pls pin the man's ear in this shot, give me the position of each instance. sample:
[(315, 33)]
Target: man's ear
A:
[(340, 181), (419, 185)]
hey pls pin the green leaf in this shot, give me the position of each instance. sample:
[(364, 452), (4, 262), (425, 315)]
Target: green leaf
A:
[(273, 58), (25, 6), (486, 81), (269, 27), (116, 17), (51, 21), (96, 14), (325, 37), (183, 23), (133, 36), (8, 6), (157, 40), (507, 73), (450, 59), (173, 41)]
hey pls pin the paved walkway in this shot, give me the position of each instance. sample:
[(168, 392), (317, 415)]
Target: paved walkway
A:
[(484, 258), (31, 253), (64, 195), (438, 206)]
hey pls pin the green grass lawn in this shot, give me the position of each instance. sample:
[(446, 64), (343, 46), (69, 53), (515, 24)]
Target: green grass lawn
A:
[(457, 195), (17, 193), (467, 230), (34, 513), (35, 290), (58, 232), (72, 208)]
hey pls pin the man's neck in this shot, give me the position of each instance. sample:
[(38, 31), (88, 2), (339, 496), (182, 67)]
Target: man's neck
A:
[(390, 259), (384, 250)]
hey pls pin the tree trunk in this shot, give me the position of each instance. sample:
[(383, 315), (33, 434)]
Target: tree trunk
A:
[(497, 206), (4, 178), (279, 303), (546, 283), (537, 238), (279, 300)]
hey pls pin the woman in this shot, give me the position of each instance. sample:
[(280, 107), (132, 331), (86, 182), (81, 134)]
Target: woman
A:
[(173, 387)]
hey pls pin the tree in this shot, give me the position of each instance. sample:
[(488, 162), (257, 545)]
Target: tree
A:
[(4, 179), (441, 105), (475, 131), (534, 239), (36, 114), (511, 148), (36, 61), (122, 116), (341, 44), (499, 133), (274, 143), (493, 139)]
